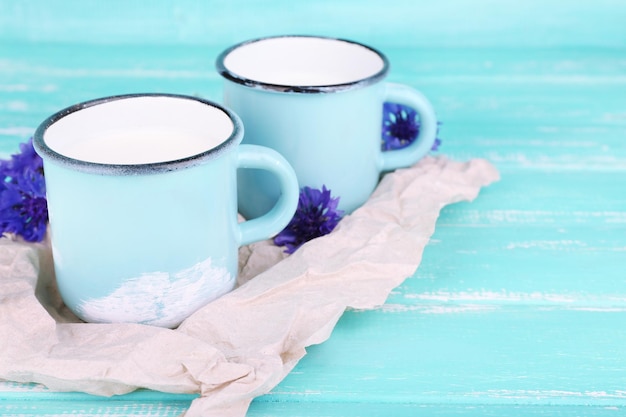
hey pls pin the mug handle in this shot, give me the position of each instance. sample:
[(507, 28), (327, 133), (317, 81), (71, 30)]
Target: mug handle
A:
[(271, 223), (400, 158)]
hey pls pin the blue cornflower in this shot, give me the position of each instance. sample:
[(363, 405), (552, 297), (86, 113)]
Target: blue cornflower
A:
[(23, 205), (316, 216), (400, 127)]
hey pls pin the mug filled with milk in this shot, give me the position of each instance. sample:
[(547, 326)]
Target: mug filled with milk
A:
[(319, 102), (142, 199)]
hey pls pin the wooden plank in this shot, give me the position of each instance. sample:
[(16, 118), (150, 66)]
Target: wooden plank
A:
[(277, 409), (466, 354), (406, 22), (33, 399), (546, 119)]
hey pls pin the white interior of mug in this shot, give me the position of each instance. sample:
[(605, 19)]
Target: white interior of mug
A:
[(303, 61), (139, 130)]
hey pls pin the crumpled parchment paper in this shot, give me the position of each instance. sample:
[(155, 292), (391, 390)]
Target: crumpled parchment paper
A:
[(243, 344)]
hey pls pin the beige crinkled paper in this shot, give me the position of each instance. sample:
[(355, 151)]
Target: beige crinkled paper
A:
[(243, 344)]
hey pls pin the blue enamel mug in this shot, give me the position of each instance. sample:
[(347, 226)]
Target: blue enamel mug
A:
[(319, 102), (143, 205)]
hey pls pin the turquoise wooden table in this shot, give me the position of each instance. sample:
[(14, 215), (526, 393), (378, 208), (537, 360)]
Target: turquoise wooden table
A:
[(519, 304)]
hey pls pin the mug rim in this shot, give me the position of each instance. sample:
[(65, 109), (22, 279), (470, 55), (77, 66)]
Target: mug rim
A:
[(45, 151), (311, 89)]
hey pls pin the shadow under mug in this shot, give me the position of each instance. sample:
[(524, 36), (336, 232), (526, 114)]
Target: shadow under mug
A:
[(142, 201), (319, 102)]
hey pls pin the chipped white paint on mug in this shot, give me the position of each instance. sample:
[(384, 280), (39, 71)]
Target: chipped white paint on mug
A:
[(161, 298)]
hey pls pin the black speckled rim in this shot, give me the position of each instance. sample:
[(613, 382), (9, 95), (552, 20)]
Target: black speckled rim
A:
[(229, 75), (133, 169)]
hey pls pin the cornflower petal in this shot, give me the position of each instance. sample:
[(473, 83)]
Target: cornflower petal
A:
[(401, 127), (316, 216), (23, 205)]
